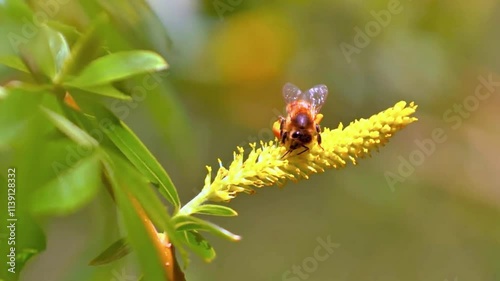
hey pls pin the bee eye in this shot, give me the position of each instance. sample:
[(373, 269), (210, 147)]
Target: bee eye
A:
[(295, 135)]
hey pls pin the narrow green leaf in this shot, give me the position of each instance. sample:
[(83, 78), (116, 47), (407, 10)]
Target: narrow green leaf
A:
[(71, 130), (118, 66), (71, 190), (105, 90), (115, 251), (138, 186), (59, 50), (183, 223), (70, 32), (14, 62), (45, 54), (198, 244), (89, 124), (137, 233), (88, 45), (215, 210), (137, 153)]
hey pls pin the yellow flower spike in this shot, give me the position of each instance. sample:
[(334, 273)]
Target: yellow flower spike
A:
[(264, 165)]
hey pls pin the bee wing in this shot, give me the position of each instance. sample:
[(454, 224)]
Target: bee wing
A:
[(291, 93), (316, 96)]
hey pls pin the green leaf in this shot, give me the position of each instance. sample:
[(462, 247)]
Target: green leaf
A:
[(118, 66), (88, 45), (90, 124), (71, 190), (105, 90), (59, 50), (17, 107), (215, 210), (138, 186), (45, 53), (70, 32), (137, 153), (115, 251), (71, 130), (198, 244), (137, 233), (25, 254), (28, 151), (148, 33), (108, 126), (183, 223), (14, 62)]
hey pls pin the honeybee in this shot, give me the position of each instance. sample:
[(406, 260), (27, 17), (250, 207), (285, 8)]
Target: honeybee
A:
[(301, 125)]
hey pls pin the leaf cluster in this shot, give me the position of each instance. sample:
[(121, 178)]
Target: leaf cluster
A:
[(59, 132)]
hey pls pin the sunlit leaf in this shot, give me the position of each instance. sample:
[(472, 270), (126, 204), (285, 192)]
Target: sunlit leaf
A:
[(118, 66), (44, 55), (183, 223), (59, 49), (215, 210), (70, 33), (115, 251)]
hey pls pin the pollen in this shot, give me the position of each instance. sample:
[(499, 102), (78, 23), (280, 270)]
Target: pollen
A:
[(263, 164)]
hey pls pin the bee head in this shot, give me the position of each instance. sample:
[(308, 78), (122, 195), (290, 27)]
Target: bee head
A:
[(302, 136)]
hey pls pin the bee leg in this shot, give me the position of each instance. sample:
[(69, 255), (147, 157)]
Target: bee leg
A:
[(292, 147), (284, 136), (282, 133), (287, 152), (305, 149), (318, 130)]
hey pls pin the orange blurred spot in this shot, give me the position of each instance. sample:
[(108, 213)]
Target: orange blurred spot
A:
[(68, 99), (252, 46), (276, 128)]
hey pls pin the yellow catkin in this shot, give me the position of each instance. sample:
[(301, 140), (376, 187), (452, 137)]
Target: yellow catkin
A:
[(264, 166)]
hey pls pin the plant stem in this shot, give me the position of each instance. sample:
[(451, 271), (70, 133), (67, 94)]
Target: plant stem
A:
[(191, 206), (164, 248)]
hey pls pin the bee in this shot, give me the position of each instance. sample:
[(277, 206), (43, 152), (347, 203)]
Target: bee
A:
[(301, 124)]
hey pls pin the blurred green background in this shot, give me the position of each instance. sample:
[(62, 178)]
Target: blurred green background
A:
[(228, 61)]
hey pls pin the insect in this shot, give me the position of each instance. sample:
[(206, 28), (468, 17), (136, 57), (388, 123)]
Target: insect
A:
[(301, 124)]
